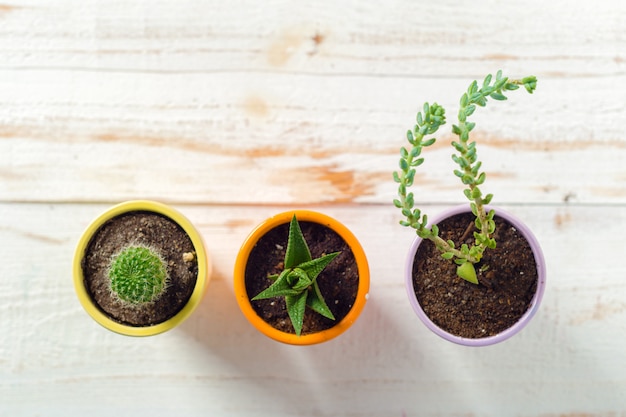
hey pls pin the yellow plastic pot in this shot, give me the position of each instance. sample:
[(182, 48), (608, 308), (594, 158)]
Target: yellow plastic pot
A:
[(243, 298), (201, 282)]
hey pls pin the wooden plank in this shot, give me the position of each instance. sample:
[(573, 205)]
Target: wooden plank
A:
[(401, 38), (54, 358), (201, 103), (283, 139)]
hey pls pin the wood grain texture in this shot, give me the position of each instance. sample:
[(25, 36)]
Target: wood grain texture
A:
[(91, 95), (233, 111)]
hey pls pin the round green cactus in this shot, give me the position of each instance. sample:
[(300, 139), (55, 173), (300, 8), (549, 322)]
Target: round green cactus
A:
[(138, 275)]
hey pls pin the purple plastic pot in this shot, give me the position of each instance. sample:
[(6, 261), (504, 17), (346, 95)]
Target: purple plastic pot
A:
[(532, 309)]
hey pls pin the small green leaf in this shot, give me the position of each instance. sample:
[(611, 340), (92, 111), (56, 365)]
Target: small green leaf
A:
[(464, 100), (298, 280), (447, 255), (476, 168), (530, 83), (410, 177), (487, 81), (396, 177), (397, 203), (316, 302), (467, 179), (487, 199), (417, 162), (297, 249), (429, 142), (467, 272), (473, 88), (498, 96), (459, 147), (296, 305), (279, 288), (404, 165), (410, 200)]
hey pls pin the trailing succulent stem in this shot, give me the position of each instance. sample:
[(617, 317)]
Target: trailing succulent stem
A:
[(428, 122), (298, 281), (138, 275)]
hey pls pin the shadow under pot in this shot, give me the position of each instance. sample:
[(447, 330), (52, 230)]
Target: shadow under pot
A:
[(140, 268), (512, 279), (268, 258)]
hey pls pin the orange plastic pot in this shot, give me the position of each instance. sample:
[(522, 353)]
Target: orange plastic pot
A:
[(201, 282), (243, 298)]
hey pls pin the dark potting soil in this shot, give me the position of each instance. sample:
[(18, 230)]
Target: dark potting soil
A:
[(159, 233), (338, 282), (505, 288)]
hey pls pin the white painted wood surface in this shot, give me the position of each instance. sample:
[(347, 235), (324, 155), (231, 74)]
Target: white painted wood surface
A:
[(233, 111)]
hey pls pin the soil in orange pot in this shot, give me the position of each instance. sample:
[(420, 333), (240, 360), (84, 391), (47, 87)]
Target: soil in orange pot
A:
[(338, 282)]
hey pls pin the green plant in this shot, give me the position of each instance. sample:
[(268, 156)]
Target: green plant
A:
[(298, 281), (468, 171), (137, 275)]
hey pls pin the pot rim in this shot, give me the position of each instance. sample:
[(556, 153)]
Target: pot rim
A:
[(202, 280), (526, 317), (244, 300)]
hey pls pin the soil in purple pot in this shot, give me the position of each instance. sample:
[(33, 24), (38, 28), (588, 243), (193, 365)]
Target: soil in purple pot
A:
[(338, 282), (507, 279)]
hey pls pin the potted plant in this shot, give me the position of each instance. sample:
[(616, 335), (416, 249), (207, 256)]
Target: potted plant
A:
[(301, 278), (475, 275), (140, 268)]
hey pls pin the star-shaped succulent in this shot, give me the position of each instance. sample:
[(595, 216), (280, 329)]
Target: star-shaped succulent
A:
[(298, 281)]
